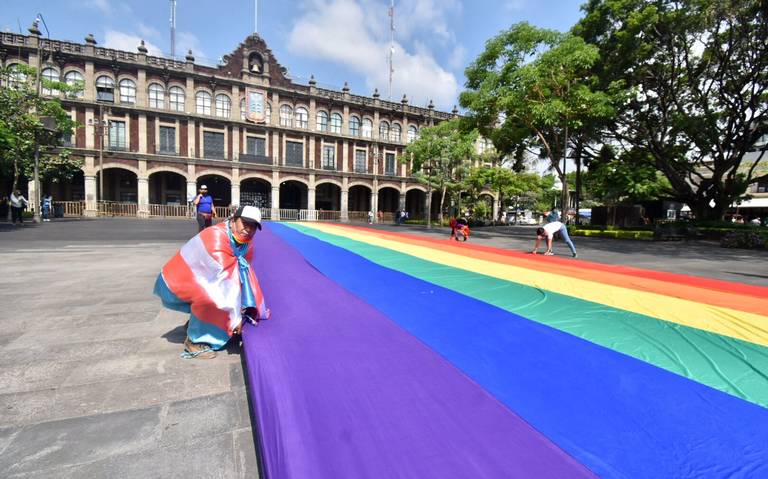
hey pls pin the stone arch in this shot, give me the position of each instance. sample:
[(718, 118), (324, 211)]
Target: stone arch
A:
[(200, 174), (416, 203), (367, 184), (421, 188), (294, 194), (167, 186), (256, 190), (389, 199), (359, 197), (328, 196), (219, 186), (120, 183), (328, 180), (256, 176), (107, 166), (168, 169), (295, 178)]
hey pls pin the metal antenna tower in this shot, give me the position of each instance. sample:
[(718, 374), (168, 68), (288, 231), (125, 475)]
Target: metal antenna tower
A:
[(173, 29), (391, 44)]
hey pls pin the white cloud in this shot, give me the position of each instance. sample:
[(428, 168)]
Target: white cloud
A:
[(341, 31), (186, 41), (103, 5), (147, 32), (515, 5), (127, 42), (457, 60)]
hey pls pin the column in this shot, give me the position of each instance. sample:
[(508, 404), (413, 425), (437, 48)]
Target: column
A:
[(89, 89), (191, 193), (143, 133), (91, 208), (344, 204), (141, 88), (401, 202), (311, 196), (276, 160), (275, 200), (344, 156), (311, 159), (235, 187), (496, 208), (143, 190), (375, 200), (32, 195)]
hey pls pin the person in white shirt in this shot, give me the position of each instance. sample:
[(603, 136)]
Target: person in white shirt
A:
[(548, 232), (18, 203)]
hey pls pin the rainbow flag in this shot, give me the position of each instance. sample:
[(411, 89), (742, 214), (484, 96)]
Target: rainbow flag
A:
[(394, 356)]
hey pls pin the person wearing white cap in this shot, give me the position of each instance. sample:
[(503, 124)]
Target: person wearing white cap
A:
[(211, 278), (206, 212)]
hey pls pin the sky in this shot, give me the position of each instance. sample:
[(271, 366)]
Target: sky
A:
[(337, 41)]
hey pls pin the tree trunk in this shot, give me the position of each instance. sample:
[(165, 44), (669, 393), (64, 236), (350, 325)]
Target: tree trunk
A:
[(564, 198), (442, 200), (578, 182)]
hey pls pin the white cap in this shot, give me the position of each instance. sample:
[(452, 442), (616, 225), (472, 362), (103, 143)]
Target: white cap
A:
[(249, 213), (203, 187)]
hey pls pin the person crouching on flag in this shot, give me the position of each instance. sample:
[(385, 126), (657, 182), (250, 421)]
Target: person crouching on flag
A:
[(212, 279)]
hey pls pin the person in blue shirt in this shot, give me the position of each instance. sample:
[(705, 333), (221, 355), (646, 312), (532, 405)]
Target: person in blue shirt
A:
[(47, 207), (205, 209)]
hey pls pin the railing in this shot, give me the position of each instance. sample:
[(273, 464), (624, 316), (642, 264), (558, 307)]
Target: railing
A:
[(224, 211), (71, 208), (358, 216), (172, 211), (258, 159), (116, 208)]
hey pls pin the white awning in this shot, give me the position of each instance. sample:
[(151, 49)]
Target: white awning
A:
[(753, 203)]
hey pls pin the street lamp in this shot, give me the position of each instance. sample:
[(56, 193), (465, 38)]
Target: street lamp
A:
[(35, 31), (101, 130)]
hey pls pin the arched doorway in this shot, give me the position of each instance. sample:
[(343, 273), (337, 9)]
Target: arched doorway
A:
[(293, 195), (435, 209), (219, 187), (389, 199), (328, 197), (488, 200), (359, 198), (167, 188), (415, 204), (72, 189), (120, 185), (256, 192)]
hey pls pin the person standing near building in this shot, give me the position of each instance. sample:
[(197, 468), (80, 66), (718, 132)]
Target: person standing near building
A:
[(370, 217), (47, 207), (547, 233), (206, 212), (18, 203), (221, 292)]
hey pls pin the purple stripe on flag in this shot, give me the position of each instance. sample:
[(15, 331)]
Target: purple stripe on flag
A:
[(340, 391)]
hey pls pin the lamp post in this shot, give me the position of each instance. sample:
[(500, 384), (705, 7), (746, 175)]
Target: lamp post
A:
[(36, 177), (100, 130), (428, 168)]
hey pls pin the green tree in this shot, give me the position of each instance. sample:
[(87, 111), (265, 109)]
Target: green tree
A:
[(695, 74), (504, 182), (21, 128), (530, 88), (442, 156)]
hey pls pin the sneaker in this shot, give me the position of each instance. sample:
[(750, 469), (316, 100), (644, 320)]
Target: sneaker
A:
[(197, 350), (549, 253), (575, 255)]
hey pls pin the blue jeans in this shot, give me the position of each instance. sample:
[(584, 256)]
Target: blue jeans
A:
[(567, 239)]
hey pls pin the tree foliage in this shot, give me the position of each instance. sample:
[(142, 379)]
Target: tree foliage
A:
[(21, 128), (442, 156), (531, 88), (695, 73)]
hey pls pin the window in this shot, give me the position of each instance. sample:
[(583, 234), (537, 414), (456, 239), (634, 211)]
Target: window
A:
[(176, 97), (286, 116), (762, 185), (256, 146), (367, 128), (203, 102), (242, 109), (213, 145), (329, 157), (485, 145), (66, 138), (301, 117), (413, 133), (389, 164), (168, 140), (354, 126), (127, 91), (322, 121), (15, 77), (52, 76), (361, 161), (336, 122), (105, 89), (294, 153), (75, 79), (156, 96), (396, 132), (117, 140), (384, 131), (223, 106)]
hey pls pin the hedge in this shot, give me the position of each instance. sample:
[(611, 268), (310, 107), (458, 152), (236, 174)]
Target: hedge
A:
[(618, 234)]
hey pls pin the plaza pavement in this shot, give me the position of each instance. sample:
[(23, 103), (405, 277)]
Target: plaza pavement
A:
[(91, 384)]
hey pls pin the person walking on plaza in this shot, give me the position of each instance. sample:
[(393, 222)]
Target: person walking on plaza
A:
[(47, 207), (18, 203), (212, 279), (547, 233), (370, 217), (206, 211)]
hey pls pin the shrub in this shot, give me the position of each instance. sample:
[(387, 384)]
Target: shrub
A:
[(743, 239)]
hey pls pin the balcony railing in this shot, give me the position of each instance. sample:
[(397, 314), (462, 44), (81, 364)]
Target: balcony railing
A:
[(167, 152), (258, 159)]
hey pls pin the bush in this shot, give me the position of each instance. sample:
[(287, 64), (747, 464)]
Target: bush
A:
[(675, 230), (743, 239), (617, 234)]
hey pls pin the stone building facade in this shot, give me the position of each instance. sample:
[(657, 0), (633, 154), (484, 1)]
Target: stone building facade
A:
[(156, 129)]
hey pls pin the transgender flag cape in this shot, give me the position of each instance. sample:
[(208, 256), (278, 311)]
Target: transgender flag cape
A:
[(211, 278)]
